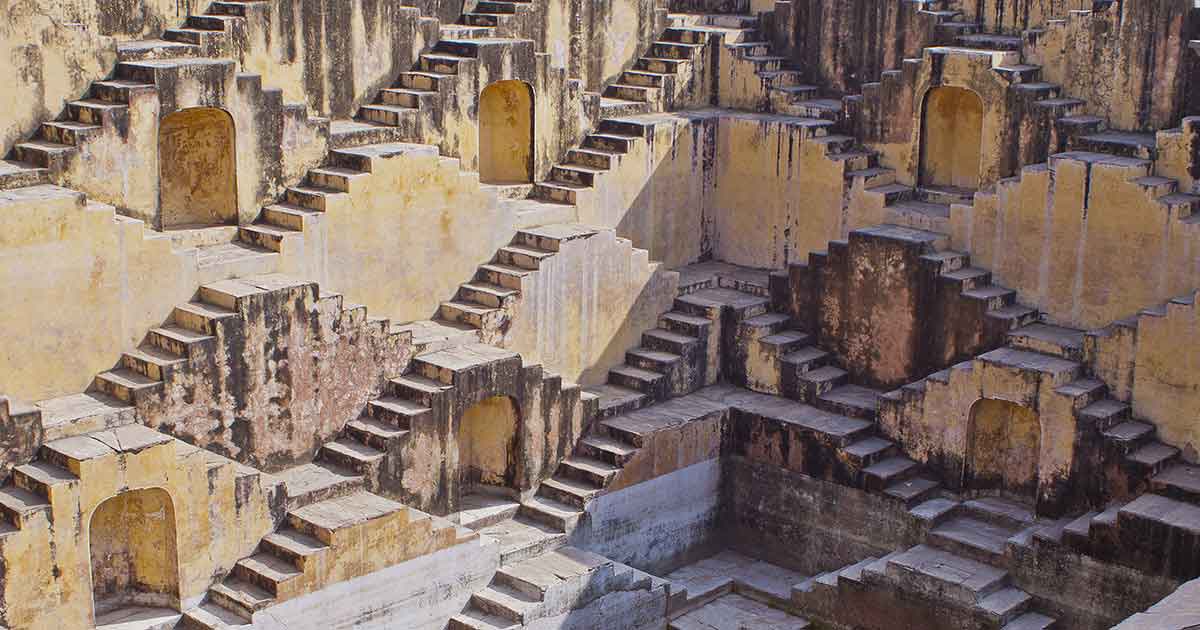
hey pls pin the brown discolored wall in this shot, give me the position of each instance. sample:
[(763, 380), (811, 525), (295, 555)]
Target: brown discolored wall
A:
[(879, 302), (812, 526), (841, 45), (1130, 62), (1014, 16), (278, 380)]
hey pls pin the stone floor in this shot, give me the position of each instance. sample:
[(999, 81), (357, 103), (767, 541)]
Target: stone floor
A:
[(138, 618), (732, 591), (735, 612)]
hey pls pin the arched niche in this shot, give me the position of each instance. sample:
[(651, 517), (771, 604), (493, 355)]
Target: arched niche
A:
[(134, 562), (197, 167), (951, 138), (1004, 449), (506, 133), (487, 444)]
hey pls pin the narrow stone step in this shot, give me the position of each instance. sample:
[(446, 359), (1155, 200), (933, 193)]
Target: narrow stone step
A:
[(888, 471), (556, 514), (1030, 621), (961, 579), (912, 491), (615, 400), (609, 450), (971, 537), (312, 483), (1005, 605), (1181, 481)]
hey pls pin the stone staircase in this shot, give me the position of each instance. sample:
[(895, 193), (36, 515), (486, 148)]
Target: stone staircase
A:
[(961, 590), (334, 532), (193, 331), (202, 49), (72, 475), (660, 80), (1145, 481), (680, 357), (960, 569), (548, 585), (495, 19), (1051, 122)]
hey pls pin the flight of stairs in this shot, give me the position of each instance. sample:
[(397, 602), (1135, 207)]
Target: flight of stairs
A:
[(205, 44), (192, 333), (960, 567), (960, 587), (332, 534), (657, 82)]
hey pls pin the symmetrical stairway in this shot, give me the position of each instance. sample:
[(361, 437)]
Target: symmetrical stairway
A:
[(1148, 486), (959, 570)]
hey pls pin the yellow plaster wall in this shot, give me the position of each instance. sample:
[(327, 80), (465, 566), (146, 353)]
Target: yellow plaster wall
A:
[(1003, 440), (1128, 63), (587, 305), (952, 131), (404, 237), (52, 50), (1083, 242), (119, 279), (219, 520), (938, 427), (1166, 387), (776, 195), (752, 189)]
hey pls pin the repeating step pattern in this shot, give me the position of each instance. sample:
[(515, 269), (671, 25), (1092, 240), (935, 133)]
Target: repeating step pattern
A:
[(192, 333), (343, 536)]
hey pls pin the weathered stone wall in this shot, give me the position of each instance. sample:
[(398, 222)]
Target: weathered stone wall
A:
[(414, 208), (420, 594), (1166, 383), (54, 50), (1177, 608), (658, 524), (934, 421), (1129, 62), (329, 56), (751, 189), (1015, 16), (1082, 240), (218, 515), (275, 143), (813, 526), (281, 378), (842, 45), (587, 305)]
